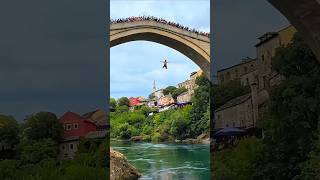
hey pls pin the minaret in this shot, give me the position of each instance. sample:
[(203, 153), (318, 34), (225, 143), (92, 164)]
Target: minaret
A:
[(154, 86)]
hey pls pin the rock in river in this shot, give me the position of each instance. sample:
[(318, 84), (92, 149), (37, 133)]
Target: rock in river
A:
[(120, 169)]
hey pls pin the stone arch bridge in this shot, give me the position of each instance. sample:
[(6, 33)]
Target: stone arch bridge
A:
[(193, 45), (304, 15)]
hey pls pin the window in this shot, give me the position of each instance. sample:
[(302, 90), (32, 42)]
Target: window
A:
[(228, 76), (75, 126), (221, 78), (71, 146), (245, 69), (62, 147), (68, 126), (247, 80), (237, 73), (262, 58), (2, 148), (264, 81)]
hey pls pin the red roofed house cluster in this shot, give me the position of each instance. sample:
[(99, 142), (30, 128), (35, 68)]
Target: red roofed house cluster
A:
[(90, 125)]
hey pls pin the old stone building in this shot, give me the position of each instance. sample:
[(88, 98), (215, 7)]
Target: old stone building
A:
[(184, 97), (245, 71), (190, 84), (266, 49), (165, 100), (235, 113), (244, 111)]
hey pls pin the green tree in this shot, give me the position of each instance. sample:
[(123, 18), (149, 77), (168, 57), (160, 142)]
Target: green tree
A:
[(43, 125), (169, 90), (9, 130), (122, 109), (35, 151), (180, 122), (8, 169), (123, 101), (113, 103), (310, 169), (237, 163), (200, 104), (145, 110), (293, 114), (178, 91)]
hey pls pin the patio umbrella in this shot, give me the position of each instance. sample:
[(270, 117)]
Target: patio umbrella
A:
[(225, 132)]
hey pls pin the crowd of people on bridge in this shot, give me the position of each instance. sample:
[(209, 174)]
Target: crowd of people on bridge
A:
[(160, 20)]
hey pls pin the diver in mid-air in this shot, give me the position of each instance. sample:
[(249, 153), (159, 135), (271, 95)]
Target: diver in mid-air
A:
[(165, 64)]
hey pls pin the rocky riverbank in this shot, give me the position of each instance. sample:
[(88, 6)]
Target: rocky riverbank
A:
[(201, 139), (120, 168)]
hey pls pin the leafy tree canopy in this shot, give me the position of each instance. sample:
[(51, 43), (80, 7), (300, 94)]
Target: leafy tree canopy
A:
[(123, 101)]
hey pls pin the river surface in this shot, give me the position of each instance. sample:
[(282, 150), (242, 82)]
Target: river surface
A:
[(167, 161)]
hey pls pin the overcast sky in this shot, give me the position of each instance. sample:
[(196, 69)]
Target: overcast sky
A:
[(52, 56), (237, 25), (135, 65)]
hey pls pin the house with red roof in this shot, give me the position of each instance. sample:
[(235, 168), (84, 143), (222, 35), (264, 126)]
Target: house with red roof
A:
[(87, 126), (133, 102)]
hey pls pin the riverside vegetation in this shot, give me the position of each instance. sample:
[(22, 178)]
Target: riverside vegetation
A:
[(290, 147), (36, 148), (174, 124), (186, 122)]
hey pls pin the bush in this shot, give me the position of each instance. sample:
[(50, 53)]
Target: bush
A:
[(156, 137), (239, 162)]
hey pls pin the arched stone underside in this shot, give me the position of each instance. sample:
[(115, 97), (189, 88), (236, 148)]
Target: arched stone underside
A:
[(194, 46), (304, 15)]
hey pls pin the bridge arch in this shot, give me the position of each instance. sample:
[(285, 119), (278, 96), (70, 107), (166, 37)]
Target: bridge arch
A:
[(193, 45), (304, 15)]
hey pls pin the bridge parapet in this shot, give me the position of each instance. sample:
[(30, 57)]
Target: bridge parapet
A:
[(145, 23)]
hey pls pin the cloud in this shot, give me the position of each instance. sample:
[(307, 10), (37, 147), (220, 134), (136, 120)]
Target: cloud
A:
[(52, 56)]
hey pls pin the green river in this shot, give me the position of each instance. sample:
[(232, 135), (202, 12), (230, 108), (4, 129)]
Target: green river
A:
[(167, 161)]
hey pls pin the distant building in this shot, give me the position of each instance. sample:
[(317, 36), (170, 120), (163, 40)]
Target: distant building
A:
[(134, 102), (76, 127), (150, 103), (245, 72), (140, 98), (184, 97), (165, 100), (244, 111), (99, 117), (165, 108), (190, 85), (235, 113), (196, 74), (266, 49), (158, 93)]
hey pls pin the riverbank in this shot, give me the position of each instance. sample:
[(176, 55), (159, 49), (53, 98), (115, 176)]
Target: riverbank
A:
[(201, 139)]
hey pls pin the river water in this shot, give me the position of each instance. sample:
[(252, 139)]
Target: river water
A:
[(167, 161)]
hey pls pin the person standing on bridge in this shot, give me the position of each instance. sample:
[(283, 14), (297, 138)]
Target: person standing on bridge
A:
[(165, 64)]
